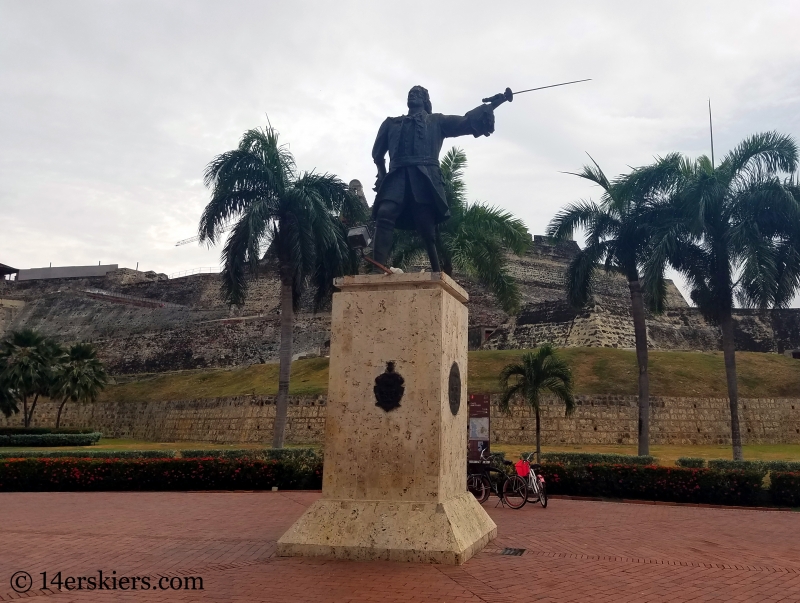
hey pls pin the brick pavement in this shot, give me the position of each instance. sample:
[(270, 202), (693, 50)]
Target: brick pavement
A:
[(575, 551)]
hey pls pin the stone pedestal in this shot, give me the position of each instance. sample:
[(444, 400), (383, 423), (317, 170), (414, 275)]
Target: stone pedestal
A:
[(394, 485)]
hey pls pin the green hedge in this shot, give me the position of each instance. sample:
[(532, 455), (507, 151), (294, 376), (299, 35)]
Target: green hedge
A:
[(784, 488), (692, 462), (675, 484), (762, 467), (82, 474), (300, 459), (41, 430), (595, 458), (50, 439), (88, 454)]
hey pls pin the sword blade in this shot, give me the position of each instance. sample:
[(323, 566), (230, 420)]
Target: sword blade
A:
[(553, 86)]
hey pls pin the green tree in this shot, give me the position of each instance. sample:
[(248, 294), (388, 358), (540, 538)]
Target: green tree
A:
[(537, 372), (618, 233), (8, 404), (27, 360), (79, 377), (732, 231), (474, 241), (296, 220)]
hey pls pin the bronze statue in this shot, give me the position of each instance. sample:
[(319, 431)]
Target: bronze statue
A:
[(411, 195)]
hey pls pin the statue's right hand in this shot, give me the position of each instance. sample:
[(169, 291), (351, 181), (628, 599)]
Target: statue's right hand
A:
[(378, 181)]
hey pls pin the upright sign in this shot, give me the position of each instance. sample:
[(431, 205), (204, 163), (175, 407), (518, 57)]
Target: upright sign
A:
[(479, 426)]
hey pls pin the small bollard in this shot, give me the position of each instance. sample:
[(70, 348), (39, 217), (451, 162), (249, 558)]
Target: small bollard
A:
[(274, 488)]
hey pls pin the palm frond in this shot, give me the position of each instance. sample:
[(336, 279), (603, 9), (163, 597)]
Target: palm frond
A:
[(582, 214)]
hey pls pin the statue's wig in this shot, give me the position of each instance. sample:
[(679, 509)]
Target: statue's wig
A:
[(426, 102)]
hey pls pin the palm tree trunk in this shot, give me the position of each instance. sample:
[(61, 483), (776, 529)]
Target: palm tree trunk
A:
[(25, 411), (29, 418), (729, 352), (640, 336), (285, 356), (538, 437), (60, 408)]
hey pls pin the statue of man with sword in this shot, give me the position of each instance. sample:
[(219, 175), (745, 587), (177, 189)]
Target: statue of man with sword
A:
[(411, 194)]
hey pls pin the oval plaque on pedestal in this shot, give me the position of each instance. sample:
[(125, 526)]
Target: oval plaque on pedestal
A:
[(454, 389)]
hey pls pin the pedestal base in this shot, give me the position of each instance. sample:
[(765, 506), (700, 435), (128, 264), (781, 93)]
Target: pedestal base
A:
[(395, 479), (450, 532)]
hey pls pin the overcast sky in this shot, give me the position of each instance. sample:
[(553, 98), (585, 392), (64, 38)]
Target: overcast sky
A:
[(109, 110)]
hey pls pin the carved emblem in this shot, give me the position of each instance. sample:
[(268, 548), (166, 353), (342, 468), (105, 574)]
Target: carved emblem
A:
[(454, 389), (389, 388)]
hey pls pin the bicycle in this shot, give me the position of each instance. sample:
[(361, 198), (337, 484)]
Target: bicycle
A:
[(535, 486), (510, 489)]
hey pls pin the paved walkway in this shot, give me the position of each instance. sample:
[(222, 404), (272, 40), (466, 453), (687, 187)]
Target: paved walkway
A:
[(575, 551)]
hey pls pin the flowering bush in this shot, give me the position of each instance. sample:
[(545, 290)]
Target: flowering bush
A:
[(785, 488), (56, 474), (675, 484)]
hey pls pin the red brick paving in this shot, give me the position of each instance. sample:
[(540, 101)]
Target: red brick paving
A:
[(575, 551)]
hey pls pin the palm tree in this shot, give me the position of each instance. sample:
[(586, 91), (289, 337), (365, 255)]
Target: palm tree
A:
[(80, 377), (26, 362), (733, 232), (474, 241), (618, 233), (8, 405), (539, 371), (295, 219)]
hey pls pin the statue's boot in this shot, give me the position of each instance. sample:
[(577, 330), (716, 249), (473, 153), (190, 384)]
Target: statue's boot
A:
[(382, 243)]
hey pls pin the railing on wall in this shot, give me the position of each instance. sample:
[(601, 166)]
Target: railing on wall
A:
[(181, 274)]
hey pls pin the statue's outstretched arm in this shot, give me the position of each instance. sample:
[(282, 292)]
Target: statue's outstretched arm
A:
[(478, 122)]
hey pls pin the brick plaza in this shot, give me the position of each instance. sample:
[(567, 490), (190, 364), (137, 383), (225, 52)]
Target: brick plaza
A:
[(574, 551)]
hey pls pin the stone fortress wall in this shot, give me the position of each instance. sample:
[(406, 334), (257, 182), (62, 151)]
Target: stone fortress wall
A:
[(596, 420), (145, 322)]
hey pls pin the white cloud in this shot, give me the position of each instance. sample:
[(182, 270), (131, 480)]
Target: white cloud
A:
[(109, 111)]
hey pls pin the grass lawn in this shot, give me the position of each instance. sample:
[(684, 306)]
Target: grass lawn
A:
[(596, 371), (667, 455)]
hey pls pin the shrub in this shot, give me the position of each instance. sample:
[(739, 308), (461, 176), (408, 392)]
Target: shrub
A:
[(41, 430), (784, 466), (784, 488), (83, 474), (88, 454), (727, 464), (694, 463), (50, 439), (595, 458), (301, 459), (676, 484)]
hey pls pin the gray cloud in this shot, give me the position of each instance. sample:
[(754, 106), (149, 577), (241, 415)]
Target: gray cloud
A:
[(109, 111)]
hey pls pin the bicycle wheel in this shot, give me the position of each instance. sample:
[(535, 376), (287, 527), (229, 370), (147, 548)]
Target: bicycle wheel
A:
[(515, 492), (533, 491), (478, 487), (543, 494)]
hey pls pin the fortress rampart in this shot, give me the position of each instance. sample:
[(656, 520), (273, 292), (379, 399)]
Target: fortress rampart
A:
[(596, 420), (144, 322)]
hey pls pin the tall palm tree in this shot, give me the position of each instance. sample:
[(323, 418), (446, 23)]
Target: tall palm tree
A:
[(474, 241), (732, 230), (80, 377), (538, 372), (26, 363), (618, 234), (295, 219)]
